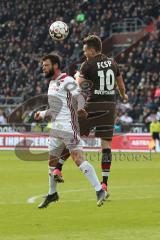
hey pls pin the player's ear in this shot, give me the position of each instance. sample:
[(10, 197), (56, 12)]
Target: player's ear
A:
[(55, 65), (93, 51)]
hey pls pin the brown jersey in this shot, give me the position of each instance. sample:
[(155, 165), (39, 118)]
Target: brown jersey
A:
[(102, 72)]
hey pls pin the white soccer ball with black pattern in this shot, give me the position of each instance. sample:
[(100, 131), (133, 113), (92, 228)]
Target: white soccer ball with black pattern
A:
[(58, 30)]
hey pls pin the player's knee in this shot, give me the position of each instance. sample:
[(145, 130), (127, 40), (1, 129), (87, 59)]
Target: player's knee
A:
[(106, 143), (65, 154)]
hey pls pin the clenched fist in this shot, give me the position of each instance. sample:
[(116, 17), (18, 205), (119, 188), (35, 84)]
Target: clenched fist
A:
[(82, 113), (37, 116)]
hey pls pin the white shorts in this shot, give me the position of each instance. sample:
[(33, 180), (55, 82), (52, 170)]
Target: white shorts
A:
[(58, 140)]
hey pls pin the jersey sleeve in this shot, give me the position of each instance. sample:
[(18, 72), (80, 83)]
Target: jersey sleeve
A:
[(71, 85)]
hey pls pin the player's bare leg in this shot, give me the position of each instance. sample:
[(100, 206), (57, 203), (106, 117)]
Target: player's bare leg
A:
[(91, 175)]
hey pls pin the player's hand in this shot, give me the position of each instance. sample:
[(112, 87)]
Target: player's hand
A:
[(82, 113), (76, 75), (125, 97), (37, 116)]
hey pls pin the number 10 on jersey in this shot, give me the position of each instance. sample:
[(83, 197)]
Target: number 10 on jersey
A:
[(107, 79)]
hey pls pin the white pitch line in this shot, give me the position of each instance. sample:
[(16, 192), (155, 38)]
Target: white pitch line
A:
[(34, 198)]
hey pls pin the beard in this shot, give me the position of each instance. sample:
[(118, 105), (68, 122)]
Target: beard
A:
[(50, 73)]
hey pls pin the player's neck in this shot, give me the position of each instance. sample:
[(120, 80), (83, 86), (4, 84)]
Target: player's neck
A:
[(56, 74)]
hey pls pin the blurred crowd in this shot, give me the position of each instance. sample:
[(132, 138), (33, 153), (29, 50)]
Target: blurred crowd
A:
[(141, 69), (24, 39)]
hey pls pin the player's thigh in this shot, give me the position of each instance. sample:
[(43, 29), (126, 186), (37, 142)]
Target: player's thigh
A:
[(72, 140), (56, 146), (100, 121)]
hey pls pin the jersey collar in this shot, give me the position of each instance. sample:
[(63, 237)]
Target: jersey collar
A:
[(60, 77)]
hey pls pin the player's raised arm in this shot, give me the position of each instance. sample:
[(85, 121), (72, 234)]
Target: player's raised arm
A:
[(76, 92), (81, 98)]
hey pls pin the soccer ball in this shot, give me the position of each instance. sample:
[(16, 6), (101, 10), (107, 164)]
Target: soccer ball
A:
[(58, 30)]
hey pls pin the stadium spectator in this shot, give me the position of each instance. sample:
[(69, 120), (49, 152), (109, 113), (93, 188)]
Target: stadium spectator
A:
[(150, 118), (2, 117), (155, 131), (158, 114), (126, 119)]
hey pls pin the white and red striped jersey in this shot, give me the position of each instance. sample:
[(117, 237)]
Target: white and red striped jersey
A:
[(61, 93)]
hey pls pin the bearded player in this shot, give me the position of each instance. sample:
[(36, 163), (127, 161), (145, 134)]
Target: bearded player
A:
[(63, 94)]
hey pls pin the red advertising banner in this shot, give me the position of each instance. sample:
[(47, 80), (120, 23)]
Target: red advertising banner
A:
[(132, 142), (128, 142)]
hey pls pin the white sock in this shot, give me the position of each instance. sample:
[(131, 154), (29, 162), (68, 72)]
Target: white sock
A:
[(52, 183), (90, 173)]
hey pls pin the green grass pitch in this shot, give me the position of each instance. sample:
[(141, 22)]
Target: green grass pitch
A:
[(131, 213)]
